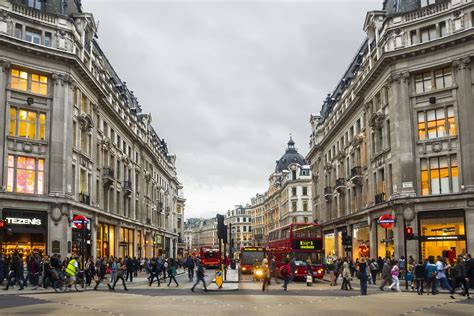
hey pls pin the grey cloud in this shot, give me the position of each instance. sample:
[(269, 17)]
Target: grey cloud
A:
[(226, 82)]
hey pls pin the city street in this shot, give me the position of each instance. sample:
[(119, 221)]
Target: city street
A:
[(319, 299)]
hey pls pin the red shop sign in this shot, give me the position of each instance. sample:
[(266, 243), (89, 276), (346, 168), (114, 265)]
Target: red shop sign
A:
[(386, 221)]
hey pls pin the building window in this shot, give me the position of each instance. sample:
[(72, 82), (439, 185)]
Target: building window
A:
[(25, 175), (28, 124), (438, 79), (39, 84), (305, 191), (19, 81), (425, 3), (305, 206), (47, 39), (32, 35), (439, 175), (293, 206), (18, 31), (428, 33), (436, 123), (443, 31), (37, 4), (293, 191), (423, 82)]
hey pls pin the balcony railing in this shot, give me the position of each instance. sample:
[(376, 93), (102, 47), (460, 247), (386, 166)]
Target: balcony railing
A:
[(341, 182), (84, 198), (356, 171), (107, 176), (424, 12), (34, 13), (127, 187), (380, 198)]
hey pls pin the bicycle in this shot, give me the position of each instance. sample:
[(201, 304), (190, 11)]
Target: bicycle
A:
[(63, 282)]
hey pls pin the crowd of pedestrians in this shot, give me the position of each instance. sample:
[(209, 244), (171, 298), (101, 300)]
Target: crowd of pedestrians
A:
[(425, 276)]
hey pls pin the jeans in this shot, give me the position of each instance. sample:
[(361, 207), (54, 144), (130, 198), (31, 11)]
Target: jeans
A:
[(154, 275), (443, 282), (114, 276), (287, 280), (119, 277), (200, 278), (363, 284), (191, 273)]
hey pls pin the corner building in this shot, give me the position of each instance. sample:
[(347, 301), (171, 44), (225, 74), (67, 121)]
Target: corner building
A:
[(75, 145), (394, 137)]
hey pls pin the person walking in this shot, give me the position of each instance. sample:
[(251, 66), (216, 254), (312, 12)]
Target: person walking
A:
[(419, 275), (363, 276), (330, 269), (114, 267), (189, 263), (154, 272), (101, 273), (14, 273), (129, 265), (374, 270), (346, 276), (431, 272), (394, 273), (285, 271), (337, 270), (120, 270), (266, 275), (441, 276), (469, 263), (460, 277), (273, 271), (200, 275), (2, 268), (172, 272), (292, 269), (386, 276)]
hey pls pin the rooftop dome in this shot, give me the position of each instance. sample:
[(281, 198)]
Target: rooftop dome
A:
[(291, 156)]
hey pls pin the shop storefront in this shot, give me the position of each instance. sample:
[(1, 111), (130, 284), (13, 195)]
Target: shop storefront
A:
[(158, 246), (360, 240), (329, 244), (442, 233), (29, 231), (105, 240), (126, 242), (385, 242), (339, 249)]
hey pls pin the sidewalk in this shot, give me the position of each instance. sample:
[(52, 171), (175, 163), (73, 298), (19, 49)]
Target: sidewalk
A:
[(230, 284)]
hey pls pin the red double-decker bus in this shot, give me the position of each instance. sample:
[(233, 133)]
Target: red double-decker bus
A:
[(210, 257), (301, 241), (248, 257)]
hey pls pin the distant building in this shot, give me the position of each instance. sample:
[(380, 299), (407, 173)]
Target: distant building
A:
[(240, 224)]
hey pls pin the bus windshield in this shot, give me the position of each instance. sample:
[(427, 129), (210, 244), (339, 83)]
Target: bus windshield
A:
[(306, 232), (315, 257), (210, 254), (249, 257)]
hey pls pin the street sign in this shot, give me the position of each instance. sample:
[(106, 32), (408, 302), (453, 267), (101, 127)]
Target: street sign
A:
[(386, 221), (78, 220), (219, 278)]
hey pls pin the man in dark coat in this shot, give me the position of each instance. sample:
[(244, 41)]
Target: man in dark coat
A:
[(16, 269), (101, 273)]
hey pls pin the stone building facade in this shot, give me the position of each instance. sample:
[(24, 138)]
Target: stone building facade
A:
[(75, 145), (394, 138), (288, 198), (238, 221)]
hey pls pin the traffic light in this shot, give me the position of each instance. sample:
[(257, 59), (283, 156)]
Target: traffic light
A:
[(221, 228), (3, 225), (346, 239), (409, 233)]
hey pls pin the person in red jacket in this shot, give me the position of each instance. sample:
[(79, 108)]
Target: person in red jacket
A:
[(285, 271)]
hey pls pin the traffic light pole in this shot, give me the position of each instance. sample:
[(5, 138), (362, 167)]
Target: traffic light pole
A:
[(83, 241), (387, 252), (406, 252)]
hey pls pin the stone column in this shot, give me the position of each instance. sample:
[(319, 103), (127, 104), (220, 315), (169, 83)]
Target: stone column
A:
[(60, 126), (470, 227), (463, 78), (404, 170), (5, 68)]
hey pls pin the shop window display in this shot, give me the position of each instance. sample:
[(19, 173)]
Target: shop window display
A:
[(385, 243), (329, 250), (442, 236), (360, 242)]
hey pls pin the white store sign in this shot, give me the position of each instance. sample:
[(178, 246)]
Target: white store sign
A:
[(23, 221)]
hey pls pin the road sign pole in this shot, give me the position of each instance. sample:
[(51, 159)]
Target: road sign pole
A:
[(387, 252), (406, 252)]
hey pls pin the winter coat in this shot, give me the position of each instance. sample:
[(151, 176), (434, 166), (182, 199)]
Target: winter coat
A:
[(346, 272)]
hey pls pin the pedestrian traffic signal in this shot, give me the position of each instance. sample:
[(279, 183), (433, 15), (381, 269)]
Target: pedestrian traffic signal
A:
[(221, 228), (409, 233), (3, 224)]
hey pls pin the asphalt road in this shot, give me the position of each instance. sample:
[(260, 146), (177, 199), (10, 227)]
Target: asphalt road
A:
[(319, 299)]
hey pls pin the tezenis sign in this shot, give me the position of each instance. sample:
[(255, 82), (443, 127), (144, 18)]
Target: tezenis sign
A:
[(23, 221)]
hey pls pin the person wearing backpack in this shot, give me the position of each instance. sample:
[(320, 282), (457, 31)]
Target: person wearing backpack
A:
[(154, 272), (285, 271), (460, 277)]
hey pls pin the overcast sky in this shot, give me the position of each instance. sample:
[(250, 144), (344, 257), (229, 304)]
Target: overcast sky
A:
[(227, 82)]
